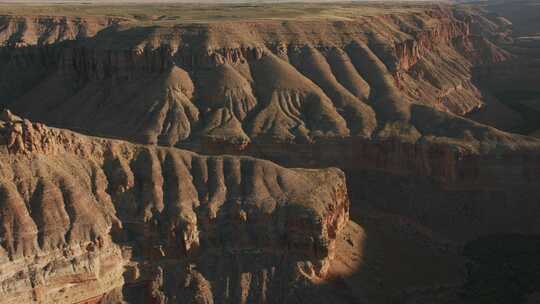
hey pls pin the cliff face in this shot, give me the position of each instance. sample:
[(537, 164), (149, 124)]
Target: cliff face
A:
[(83, 217), (20, 31), (387, 97), (512, 84), (271, 81)]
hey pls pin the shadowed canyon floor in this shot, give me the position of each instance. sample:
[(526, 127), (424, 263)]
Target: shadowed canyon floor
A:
[(415, 124)]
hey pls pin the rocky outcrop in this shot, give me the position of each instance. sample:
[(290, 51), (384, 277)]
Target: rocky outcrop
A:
[(83, 217), (20, 31)]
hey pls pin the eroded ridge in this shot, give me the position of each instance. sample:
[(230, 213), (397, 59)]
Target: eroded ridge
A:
[(83, 217), (375, 77)]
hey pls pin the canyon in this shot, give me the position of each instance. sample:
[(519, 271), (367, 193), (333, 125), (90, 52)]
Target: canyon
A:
[(150, 159)]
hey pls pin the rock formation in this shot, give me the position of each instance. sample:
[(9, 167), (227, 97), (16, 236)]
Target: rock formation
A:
[(412, 105), (271, 81), (82, 217)]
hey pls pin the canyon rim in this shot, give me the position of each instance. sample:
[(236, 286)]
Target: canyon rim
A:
[(270, 152)]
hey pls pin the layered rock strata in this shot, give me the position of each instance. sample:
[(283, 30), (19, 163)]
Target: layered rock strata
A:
[(83, 217), (391, 98), (271, 81)]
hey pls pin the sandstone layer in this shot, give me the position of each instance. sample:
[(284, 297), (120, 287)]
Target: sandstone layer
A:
[(85, 217), (256, 82), (411, 103)]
